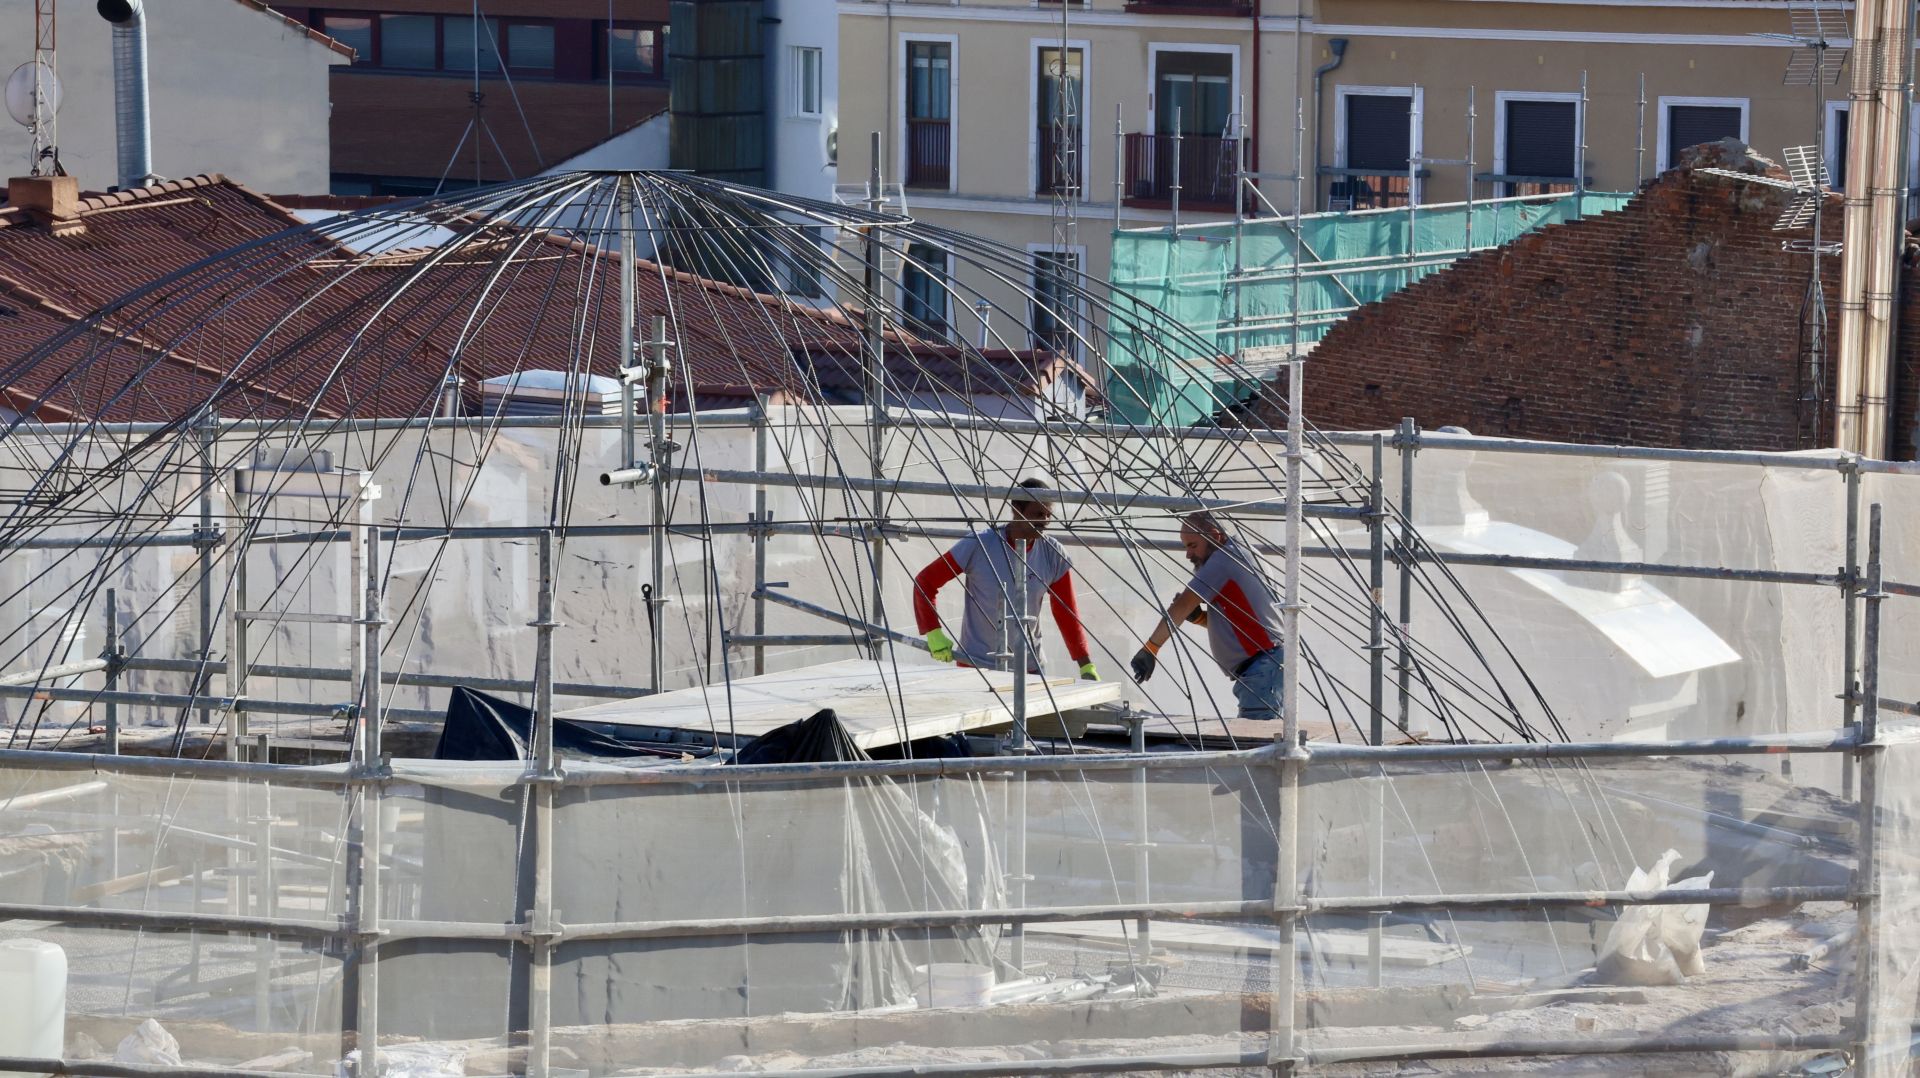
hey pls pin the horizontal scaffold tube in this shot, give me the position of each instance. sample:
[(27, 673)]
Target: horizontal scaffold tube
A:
[(1110, 500), (390, 677)]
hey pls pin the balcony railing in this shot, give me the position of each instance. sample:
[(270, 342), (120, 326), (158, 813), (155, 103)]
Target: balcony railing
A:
[(1367, 189), (1205, 171), (929, 154), (1190, 7), (1508, 186), (1056, 167)]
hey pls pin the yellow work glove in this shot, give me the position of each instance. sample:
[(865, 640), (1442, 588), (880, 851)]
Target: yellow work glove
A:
[(940, 645), (1087, 672)]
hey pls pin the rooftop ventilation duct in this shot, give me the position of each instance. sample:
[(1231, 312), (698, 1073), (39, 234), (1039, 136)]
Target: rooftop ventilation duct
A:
[(132, 126)]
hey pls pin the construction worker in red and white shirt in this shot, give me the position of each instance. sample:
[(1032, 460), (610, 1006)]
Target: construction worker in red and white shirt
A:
[(988, 559)]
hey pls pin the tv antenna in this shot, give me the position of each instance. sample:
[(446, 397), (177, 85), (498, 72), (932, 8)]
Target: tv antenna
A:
[(1816, 29), (33, 94)]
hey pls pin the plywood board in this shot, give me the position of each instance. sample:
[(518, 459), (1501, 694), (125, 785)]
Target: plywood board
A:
[(880, 703), (1259, 939)]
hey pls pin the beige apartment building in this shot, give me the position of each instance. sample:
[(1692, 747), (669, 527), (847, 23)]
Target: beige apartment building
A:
[(962, 94)]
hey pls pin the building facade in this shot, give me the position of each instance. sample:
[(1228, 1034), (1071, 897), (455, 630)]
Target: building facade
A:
[(556, 77), (233, 86), (962, 96)]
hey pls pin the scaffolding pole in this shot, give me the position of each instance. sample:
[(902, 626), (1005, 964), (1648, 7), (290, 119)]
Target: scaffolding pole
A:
[(661, 453), (1867, 994), (542, 933), (876, 390), (1407, 441)]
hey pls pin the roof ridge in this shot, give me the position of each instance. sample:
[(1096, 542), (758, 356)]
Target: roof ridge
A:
[(101, 200)]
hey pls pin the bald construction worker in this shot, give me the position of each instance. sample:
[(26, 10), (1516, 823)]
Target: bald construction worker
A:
[(987, 559), (1230, 598)]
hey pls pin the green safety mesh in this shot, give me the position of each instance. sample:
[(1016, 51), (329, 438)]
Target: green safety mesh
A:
[(1179, 376)]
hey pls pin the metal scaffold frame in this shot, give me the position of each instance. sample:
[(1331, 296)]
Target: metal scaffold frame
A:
[(537, 929), (371, 771)]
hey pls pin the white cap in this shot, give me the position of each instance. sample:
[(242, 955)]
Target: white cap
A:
[(1033, 487)]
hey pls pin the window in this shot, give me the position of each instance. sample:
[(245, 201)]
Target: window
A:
[(806, 73), (1379, 131), (354, 31), (1374, 145), (461, 48), (929, 80), (929, 117), (1056, 316), (923, 284), (409, 41), (633, 51), (530, 47), (1539, 139), (1193, 90), (1690, 121)]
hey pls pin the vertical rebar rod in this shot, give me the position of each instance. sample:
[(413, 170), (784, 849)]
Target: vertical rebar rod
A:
[(540, 973), (876, 392), (1143, 838), (1866, 1002), (761, 517), (237, 626), (1280, 1043), (112, 653), (1407, 440), (1377, 700), (661, 453), (1174, 216), (209, 432), (113, 657), (1022, 742), (1849, 645), (371, 622), (366, 832), (629, 323)]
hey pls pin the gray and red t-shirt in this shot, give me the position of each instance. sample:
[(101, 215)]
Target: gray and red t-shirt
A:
[(1242, 619), (987, 560)]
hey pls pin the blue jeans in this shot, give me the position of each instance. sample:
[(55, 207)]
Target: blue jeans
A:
[(1257, 688)]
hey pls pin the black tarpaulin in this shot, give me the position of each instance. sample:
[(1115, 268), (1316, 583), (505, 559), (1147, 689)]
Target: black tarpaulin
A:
[(482, 727), (817, 739)]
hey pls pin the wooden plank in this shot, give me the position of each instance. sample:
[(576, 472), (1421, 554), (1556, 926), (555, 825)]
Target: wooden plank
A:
[(1259, 939), (879, 703)]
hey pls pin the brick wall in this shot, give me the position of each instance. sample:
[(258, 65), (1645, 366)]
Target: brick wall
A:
[(1673, 322)]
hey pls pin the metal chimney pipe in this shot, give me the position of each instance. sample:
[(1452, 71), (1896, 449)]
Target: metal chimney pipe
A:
[(132, 126)]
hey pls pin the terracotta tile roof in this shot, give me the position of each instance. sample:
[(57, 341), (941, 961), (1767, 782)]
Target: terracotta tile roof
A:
[(272, 323)]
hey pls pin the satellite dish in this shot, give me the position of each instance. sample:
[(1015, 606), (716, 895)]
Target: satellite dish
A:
[(20, 91)]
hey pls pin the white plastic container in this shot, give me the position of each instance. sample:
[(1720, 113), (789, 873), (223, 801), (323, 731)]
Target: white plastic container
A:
[(33, 999), (955, 984)]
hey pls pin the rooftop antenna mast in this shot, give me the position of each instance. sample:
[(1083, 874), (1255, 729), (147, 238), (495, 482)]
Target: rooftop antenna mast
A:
[(1061, 168), (477, 123), (46, 91), (1816, 28), (33, 94)]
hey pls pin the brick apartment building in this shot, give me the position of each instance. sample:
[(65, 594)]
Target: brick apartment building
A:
[(1676, 321), (556, 77)]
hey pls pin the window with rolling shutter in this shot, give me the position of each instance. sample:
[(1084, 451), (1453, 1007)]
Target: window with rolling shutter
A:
[(1379, 131), (1541, 139), (1691, 125)]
